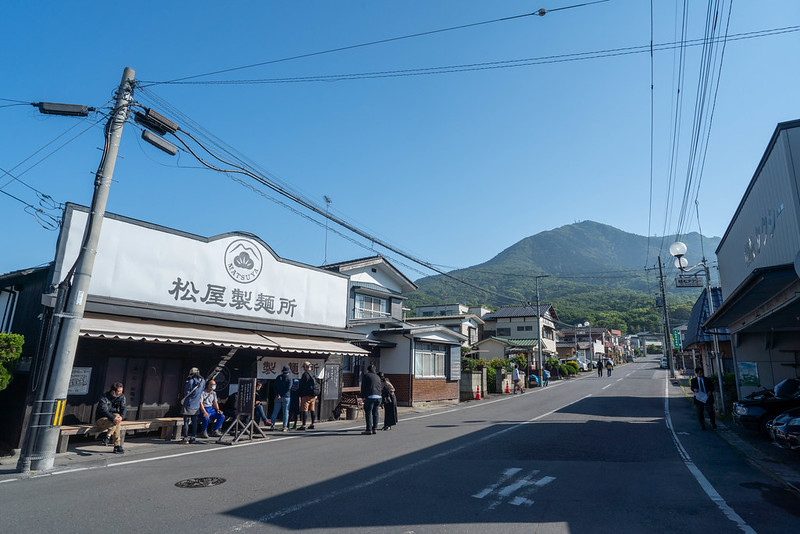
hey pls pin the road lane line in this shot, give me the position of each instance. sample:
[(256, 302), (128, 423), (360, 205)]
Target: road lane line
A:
[(608, 386), (712, 493)]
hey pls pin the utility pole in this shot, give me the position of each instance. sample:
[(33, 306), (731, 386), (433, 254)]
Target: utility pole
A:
[(327, 206), (539, 332), (667, 331), (54, 402), (714, 334)]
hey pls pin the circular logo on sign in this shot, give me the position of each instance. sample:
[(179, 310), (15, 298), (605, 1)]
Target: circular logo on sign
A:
[(243, 261)]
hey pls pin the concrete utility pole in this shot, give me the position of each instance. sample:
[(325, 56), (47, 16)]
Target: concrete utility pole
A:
[(716, 339), (667, 330), (58, 385)]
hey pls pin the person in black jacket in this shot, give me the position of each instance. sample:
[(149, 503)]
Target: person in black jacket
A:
[(308, 395), (111, 410), (703, 389), (371, 389), (282, 387)]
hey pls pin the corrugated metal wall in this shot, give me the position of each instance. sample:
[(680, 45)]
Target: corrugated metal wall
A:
[(765, 231)]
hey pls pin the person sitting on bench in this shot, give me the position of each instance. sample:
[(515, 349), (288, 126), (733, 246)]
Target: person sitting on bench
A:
[(111, 410)]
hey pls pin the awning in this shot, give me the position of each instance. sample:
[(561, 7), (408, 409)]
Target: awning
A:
[(314, 345), (134, 329), (759, 287)]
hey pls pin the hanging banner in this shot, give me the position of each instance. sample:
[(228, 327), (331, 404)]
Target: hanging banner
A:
[(270, 367)]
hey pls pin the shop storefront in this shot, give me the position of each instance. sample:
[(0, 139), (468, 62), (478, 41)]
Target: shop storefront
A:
[(162, 301)]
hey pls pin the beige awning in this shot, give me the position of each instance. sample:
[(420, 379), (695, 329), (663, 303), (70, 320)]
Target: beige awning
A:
[(314, 345), (134, 329)]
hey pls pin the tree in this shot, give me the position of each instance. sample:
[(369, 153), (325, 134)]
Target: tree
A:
[(10, 351)]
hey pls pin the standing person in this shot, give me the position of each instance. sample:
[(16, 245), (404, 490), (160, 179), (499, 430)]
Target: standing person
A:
[(308, 395), (111, 410), (545, 377), (282, 387), (599, 368), (192, 398), (294, 404), (609, 367), (389, 401), (703, 389), (517, 380), (371, 389), (209, 410)]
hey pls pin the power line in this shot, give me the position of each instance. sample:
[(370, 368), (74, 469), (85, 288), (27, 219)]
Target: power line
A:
[(490, 65), (540, 12), (237, 169)]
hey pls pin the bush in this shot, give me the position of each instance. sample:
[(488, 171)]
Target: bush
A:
[(563, 370), (10, 351), (491, 376), (573, 367)]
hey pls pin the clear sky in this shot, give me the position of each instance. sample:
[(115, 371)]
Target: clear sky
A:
[(449, 167)]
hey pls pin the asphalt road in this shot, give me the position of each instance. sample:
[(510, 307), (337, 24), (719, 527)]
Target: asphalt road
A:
[(583, 455)]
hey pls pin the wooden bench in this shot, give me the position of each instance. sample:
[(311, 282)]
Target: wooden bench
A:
[(170, 428)]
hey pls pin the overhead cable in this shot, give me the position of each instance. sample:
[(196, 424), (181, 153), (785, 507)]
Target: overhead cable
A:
[(540, 12)]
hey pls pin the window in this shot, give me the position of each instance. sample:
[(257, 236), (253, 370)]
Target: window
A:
[(8, 300), (525, 328), (368, 307), (427, 314), (429, 360), (503, 332)]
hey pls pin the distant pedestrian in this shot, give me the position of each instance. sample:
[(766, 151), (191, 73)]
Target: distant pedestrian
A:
[(111, 410), (282, 387), (308, 395), (371, 389), (389, 401), (599, 368), (545, 377), (609, 367), (703, 389), (517, 380), (190, 405)]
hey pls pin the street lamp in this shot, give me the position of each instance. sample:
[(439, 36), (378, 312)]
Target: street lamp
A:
[(678, 250)]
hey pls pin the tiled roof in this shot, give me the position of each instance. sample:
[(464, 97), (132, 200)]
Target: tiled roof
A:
[(518, 311), (515, 342)]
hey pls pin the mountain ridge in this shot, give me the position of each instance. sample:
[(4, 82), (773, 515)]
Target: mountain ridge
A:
[(588, 270)]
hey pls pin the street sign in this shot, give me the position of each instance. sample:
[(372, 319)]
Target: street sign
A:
[(688, 280), (676, 340)]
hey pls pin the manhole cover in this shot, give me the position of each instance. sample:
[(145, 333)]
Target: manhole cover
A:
[(200, 482)]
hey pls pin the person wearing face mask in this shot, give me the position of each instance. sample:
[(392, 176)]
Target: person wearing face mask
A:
[(111, 410), (209, 410)]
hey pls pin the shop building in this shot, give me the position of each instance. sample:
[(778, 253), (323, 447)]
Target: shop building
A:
[(759, 257), (162, 301)]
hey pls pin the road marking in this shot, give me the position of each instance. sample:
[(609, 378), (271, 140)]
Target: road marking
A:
[(526, 484), (608, 386), (9, 480), (507, 474), (389, 474), (715, 497), (620, 378)]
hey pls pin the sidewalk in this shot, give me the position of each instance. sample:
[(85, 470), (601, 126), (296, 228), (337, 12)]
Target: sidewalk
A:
[(83, 453), (779, 464)]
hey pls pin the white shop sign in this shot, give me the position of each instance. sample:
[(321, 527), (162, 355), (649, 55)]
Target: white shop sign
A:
[(270, 368), (232, 274), (79, 381)]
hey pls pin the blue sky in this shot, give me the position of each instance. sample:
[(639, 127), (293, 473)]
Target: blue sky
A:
[(451, 168)]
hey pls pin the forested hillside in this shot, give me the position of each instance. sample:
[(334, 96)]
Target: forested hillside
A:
[(588, 271)]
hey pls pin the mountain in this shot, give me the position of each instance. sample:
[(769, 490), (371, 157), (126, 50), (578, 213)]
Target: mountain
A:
[(587, 270)]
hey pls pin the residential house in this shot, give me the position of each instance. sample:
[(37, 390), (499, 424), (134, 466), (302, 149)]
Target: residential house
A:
[(457, 317), (422, 361)]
